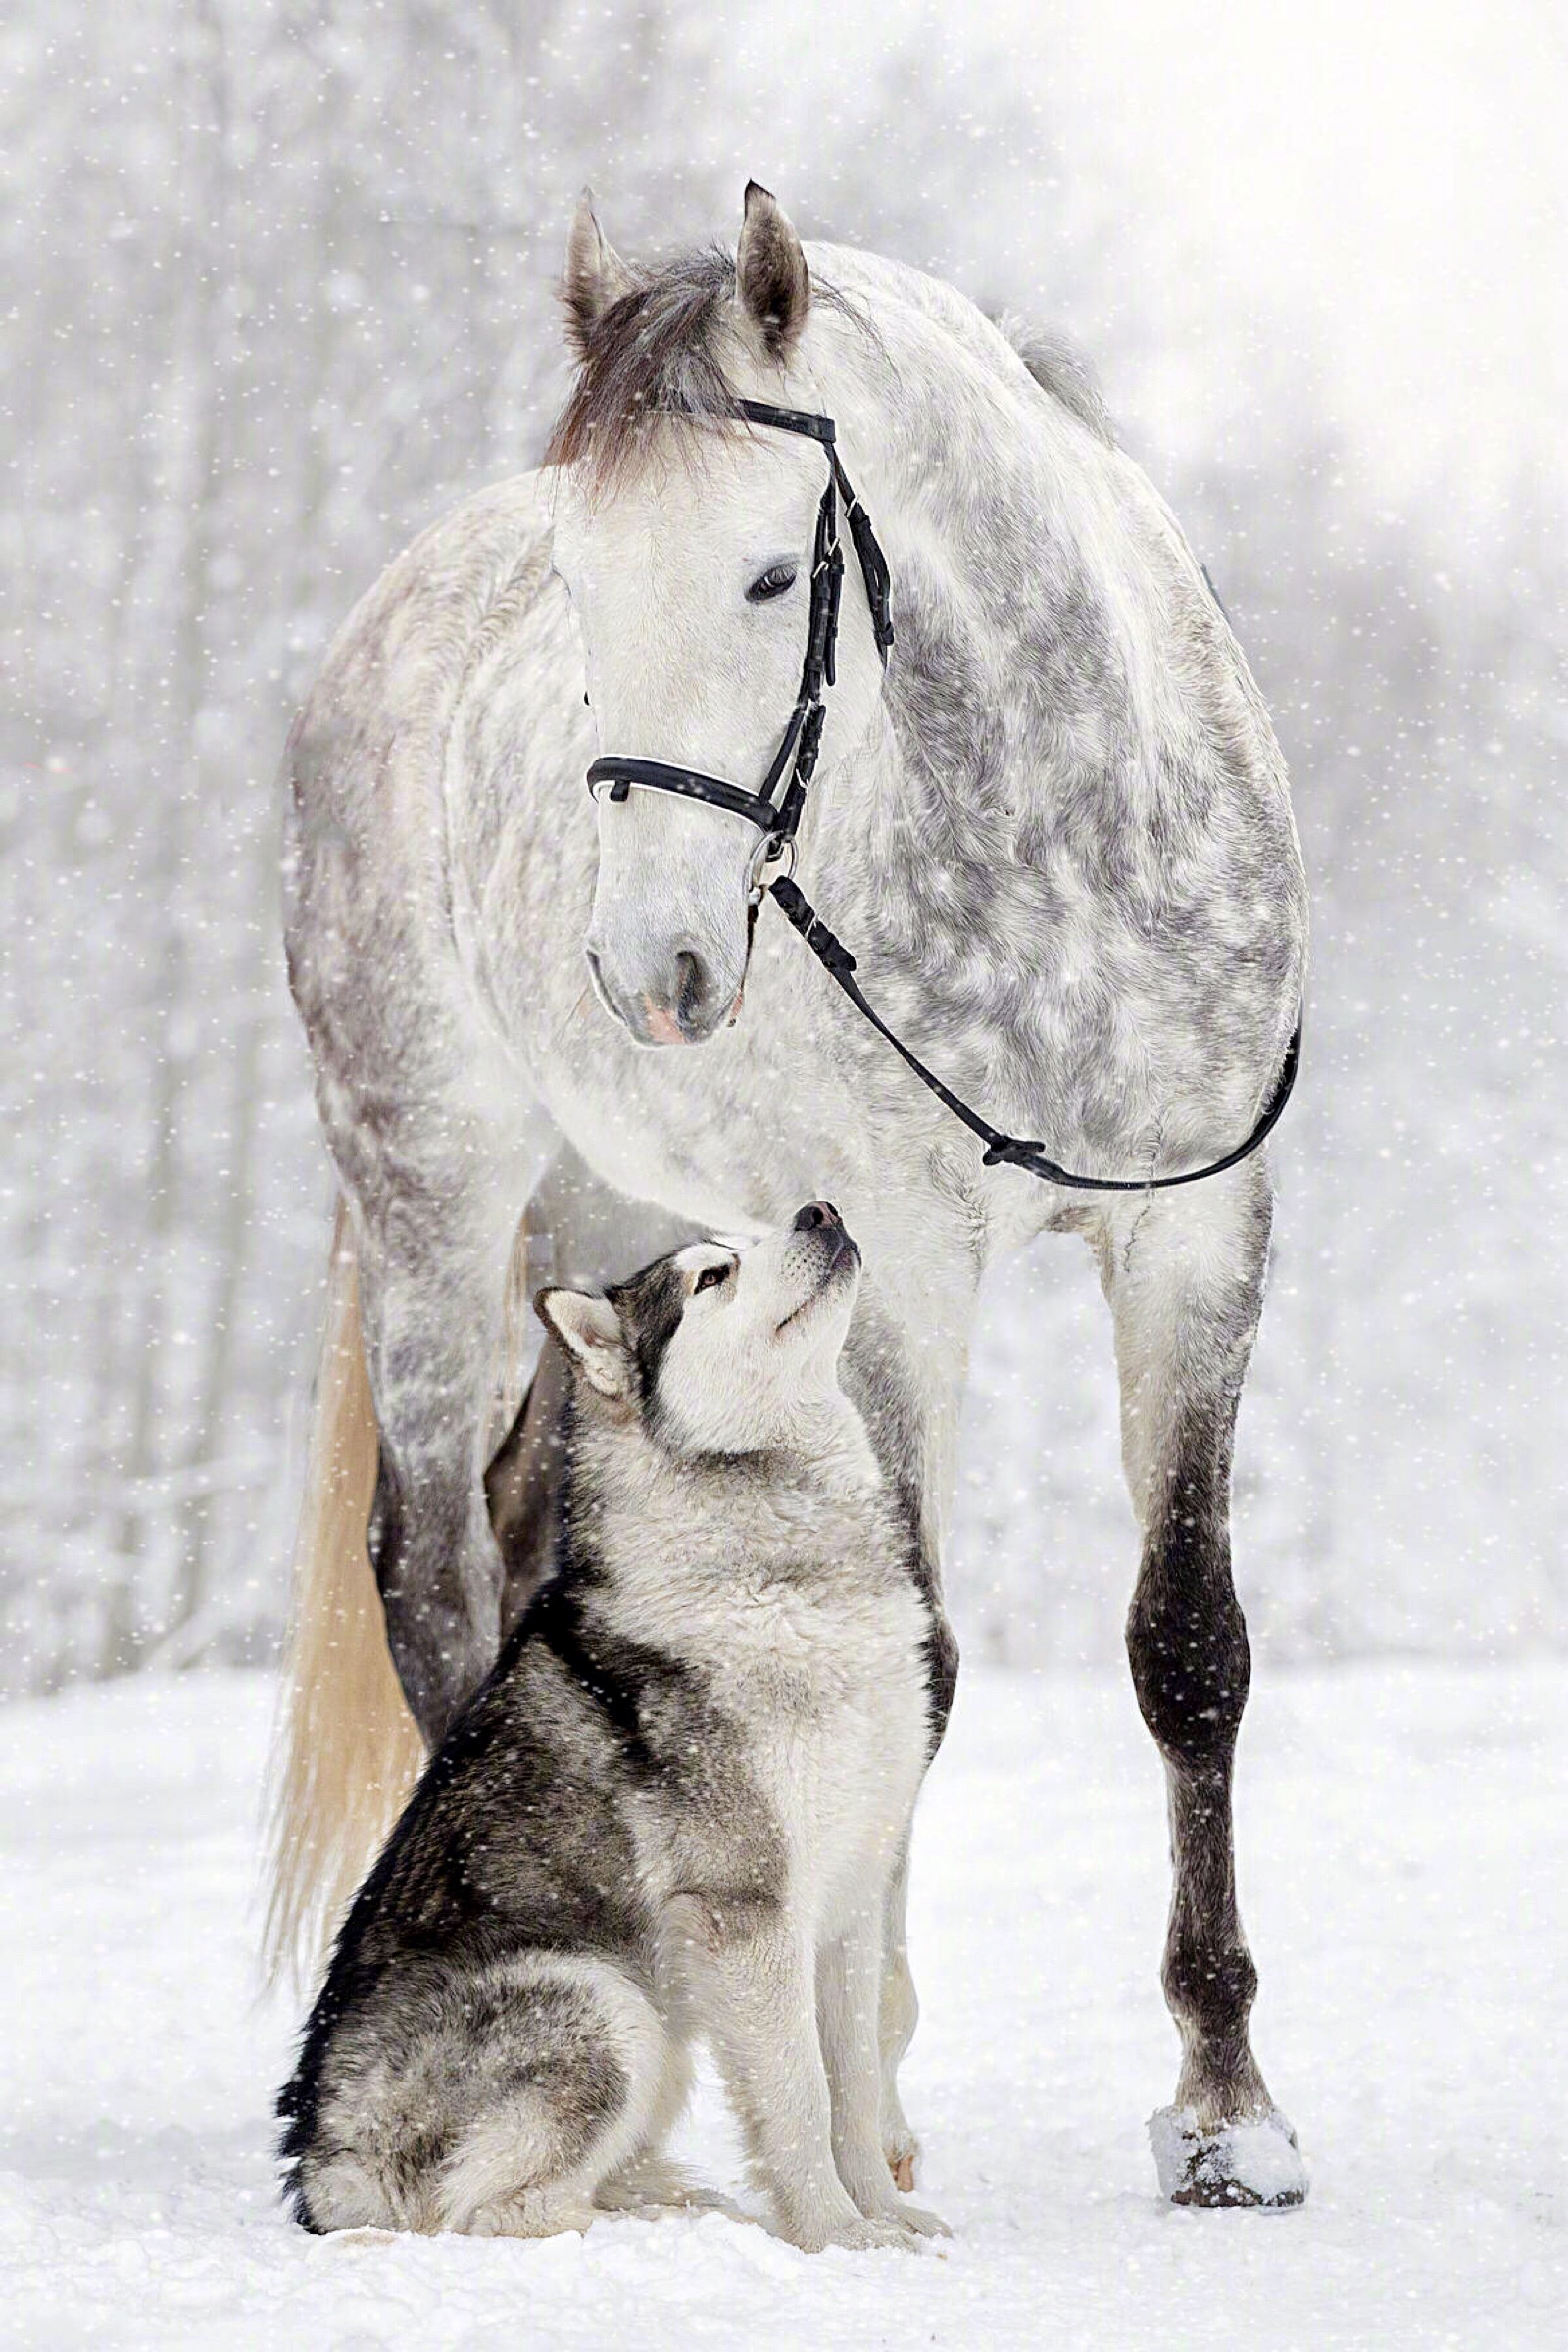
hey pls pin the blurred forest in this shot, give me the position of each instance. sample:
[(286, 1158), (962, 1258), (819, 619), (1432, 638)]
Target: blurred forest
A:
[(278, 290)]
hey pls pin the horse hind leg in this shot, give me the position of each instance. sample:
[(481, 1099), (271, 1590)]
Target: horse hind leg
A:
[(394, 1618), (433, 1274), (1185, 1275)]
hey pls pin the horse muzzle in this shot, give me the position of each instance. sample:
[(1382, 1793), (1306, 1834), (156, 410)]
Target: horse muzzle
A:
[(681, 1000)]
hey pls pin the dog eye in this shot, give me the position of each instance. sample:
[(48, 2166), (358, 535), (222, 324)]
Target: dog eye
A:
[(777, 580), (708, 1276)]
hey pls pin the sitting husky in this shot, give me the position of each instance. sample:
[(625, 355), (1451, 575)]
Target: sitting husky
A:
[(672, 1810)]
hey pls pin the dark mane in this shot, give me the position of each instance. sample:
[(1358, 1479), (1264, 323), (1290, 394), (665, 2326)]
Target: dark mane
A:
[(1061, 370), (653, 354), (653, 362)]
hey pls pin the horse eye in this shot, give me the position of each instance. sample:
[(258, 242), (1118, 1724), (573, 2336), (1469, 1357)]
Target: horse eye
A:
[(777, 580), (708, 1276)]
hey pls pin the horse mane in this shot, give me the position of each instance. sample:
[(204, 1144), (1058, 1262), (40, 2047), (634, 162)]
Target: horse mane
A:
[(653, 361), (1061, 370), (652, 354)]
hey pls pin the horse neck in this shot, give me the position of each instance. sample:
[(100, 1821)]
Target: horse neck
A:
[(1035, 574)]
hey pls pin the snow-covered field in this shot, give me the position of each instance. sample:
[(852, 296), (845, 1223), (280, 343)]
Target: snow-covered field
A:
[(1404, 1862)]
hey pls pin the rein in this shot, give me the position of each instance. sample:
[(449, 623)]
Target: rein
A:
[(778, 821)]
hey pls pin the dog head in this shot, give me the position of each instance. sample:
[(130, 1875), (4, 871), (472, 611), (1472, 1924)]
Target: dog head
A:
[(718, 1350)]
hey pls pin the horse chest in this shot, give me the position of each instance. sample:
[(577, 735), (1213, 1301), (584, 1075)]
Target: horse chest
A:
[(738, 1132)]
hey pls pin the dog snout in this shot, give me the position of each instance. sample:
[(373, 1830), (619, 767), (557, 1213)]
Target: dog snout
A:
[(816, 1214), (820, 1224)]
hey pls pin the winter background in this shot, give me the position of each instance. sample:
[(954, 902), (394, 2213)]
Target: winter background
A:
[(277, 290)]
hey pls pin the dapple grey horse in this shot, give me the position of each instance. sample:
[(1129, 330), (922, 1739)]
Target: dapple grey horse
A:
[(1056, 833)]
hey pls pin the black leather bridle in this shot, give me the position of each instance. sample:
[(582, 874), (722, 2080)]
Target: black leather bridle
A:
[(801, 739), (778, 820)]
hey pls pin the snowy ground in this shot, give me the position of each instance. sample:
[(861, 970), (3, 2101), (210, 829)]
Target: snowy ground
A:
[(1404, 1848)]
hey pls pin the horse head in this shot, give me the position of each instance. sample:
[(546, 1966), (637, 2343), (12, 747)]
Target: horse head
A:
[(685, 539)]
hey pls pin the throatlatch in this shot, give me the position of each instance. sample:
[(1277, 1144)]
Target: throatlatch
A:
[(779, 821)]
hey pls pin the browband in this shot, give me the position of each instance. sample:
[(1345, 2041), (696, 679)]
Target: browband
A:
[(789, 421)]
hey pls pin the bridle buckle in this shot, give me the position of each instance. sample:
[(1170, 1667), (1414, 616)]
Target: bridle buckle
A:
[(774, 849)]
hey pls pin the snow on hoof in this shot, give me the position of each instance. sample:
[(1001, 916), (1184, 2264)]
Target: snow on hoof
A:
[(1255, 2163)]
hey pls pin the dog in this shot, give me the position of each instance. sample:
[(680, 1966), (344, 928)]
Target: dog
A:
[(674, 1810)]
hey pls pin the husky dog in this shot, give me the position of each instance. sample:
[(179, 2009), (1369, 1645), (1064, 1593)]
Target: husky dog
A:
[(673, 1809)]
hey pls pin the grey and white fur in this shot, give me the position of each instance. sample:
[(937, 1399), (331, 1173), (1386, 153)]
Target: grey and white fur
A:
[(675, 1808), (1058, 837)]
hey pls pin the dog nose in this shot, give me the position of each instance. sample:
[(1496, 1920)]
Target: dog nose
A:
[(816, 1214)]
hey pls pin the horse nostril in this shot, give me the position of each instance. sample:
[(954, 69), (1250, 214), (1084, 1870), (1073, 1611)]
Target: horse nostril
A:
[(596, 973), (609, 1000), (691, 989), (816, 1214)]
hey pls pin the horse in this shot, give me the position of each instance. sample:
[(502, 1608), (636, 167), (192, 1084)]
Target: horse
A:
[(1051, 818)]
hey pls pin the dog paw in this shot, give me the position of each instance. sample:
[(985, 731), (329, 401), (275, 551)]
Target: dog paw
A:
[(1252, 2162), (919, 2223), (874, 2198), (858, 2233)]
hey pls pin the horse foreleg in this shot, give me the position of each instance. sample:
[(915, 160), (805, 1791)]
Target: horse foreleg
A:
[(1183, 1273)]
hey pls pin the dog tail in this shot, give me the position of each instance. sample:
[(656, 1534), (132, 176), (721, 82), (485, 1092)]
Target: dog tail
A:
[(347, 1750)]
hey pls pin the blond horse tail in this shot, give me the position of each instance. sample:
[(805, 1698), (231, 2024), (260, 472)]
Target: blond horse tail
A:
[(347, 1749)]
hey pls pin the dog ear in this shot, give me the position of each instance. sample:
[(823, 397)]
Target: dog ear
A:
[(589, 1329), (771, 274), (593, 276)]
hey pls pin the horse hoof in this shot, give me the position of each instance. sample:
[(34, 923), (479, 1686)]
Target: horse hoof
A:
[(902, 2167), (1252, 2162)]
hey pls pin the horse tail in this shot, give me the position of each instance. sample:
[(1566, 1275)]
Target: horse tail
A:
[(347, 1750)]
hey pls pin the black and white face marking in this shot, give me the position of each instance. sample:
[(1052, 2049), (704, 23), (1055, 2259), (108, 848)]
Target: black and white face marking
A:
[(722, 1349)]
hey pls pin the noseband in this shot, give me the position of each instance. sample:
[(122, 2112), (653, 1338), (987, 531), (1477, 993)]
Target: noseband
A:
[(778, 821)]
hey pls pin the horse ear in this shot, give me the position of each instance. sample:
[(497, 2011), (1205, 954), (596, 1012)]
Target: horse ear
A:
[(589, 1329), (771, 274), (595, 275)]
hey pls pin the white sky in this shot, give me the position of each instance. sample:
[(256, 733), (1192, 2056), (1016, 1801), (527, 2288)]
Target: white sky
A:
[(1368, 190), (1392, 172)]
